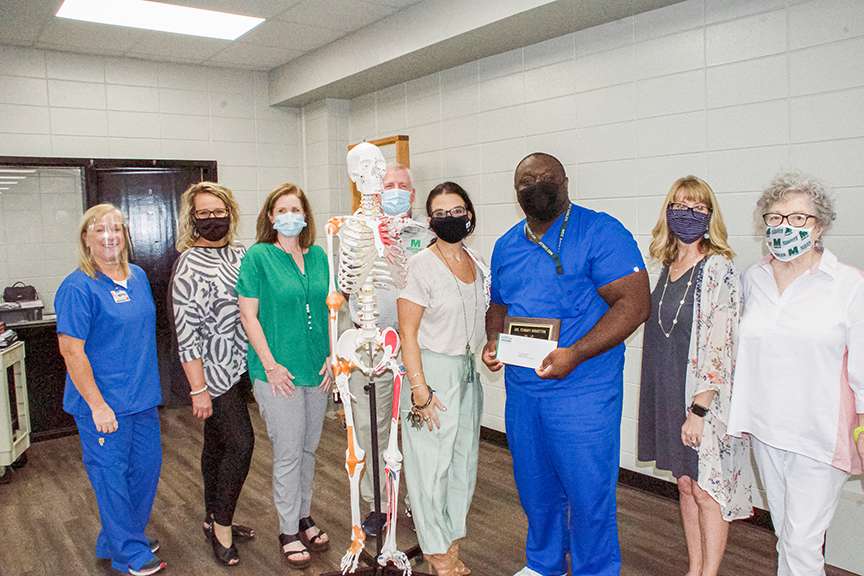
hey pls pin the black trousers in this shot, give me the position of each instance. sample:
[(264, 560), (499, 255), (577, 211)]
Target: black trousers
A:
[(228, 444)]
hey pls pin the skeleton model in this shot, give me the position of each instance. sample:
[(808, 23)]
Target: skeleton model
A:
[(370, 256)]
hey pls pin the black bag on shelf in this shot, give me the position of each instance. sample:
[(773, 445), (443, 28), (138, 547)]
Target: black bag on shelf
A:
[(21, 293)]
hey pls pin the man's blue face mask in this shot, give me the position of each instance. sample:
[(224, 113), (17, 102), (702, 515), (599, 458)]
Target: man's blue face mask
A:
[(395, 201)]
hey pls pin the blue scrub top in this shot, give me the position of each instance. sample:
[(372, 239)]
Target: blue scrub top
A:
[(119, 340), (595, 251)]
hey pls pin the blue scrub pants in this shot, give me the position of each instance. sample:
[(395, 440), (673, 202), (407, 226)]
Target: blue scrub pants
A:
[(565, 462), (124, 469)]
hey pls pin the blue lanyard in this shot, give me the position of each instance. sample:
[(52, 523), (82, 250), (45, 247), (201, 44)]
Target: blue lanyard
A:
[(546, 248)]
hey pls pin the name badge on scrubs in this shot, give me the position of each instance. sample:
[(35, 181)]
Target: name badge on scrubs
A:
[(120, 295)]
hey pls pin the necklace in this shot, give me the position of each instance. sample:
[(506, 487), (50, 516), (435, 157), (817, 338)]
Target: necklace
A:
[(680, 304), (304, 281), (462, 299)]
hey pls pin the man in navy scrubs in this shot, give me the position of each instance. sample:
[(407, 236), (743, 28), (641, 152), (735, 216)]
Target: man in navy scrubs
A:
[(563, 419)]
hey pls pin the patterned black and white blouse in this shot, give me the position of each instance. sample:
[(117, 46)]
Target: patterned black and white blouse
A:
[(206, 314)]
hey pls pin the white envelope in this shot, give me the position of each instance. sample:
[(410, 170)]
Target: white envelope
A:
[(523, 351)]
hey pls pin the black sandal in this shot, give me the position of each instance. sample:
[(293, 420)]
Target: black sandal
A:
[(239, 532), (312, 543), (226, 556), (296, 564)]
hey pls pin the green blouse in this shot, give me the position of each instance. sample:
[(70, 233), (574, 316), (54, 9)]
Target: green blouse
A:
[(298, 341)]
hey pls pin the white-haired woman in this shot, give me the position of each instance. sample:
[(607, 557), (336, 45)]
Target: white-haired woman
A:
[(799, 384), (212, 346), (106, 327), (688, 358)]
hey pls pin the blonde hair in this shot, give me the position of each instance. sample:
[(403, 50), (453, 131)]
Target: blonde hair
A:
[(664, 245), (265, 231), (90, 217), (186, 233)]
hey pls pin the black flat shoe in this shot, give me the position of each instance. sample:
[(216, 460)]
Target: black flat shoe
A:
[(239, 532), (226, 556), (313, 543), (296, 563)]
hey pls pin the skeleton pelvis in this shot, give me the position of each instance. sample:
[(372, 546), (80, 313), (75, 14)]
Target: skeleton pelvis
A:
[(372, 357)]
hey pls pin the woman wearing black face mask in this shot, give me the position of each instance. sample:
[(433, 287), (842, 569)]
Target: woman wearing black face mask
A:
[(688, 358), (212, 347), (442, 322)]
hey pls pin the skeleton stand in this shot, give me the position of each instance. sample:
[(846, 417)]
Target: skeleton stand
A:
[(373, 525)]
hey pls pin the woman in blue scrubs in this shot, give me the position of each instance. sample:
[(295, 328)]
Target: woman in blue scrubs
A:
[(106, 326)]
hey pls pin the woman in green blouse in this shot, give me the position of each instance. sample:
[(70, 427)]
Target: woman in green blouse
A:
[(282, 290)]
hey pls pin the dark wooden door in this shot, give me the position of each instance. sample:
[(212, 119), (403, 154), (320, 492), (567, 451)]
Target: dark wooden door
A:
[(150, 200)]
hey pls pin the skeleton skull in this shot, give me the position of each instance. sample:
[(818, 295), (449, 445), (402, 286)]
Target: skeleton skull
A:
[(366, 167)]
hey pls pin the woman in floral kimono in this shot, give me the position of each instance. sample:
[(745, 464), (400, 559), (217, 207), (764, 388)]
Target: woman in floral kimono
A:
[(688, 359)]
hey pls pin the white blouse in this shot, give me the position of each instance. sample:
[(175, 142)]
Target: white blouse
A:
[(799, 378), (455, 312)]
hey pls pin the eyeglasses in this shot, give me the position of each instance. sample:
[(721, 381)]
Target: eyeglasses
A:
[(218, 213), (796, 219), (700, 208), (456, 212)]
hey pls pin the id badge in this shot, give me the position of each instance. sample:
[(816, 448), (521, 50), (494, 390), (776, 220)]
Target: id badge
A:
[(120, 295)]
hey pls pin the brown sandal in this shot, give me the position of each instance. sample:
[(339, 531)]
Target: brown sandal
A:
[(312, 543), (296, 564)]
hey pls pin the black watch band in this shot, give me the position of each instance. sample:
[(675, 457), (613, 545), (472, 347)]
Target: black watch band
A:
[(698, 410)]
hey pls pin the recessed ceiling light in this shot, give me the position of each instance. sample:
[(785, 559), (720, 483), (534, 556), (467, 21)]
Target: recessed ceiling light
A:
[(7, 183), (10, 177), (159, 16), (16, 170)]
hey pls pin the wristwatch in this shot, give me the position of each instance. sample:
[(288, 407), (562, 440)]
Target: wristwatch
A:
[(698, 410)]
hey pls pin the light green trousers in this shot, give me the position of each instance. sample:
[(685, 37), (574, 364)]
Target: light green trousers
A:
[(441, 465)]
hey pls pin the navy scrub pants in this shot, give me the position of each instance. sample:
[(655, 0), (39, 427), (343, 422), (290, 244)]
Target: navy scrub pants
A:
[(565, 462), (124, 469)]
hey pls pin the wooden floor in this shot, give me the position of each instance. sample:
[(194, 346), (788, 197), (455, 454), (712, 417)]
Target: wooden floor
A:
[(49, 519)]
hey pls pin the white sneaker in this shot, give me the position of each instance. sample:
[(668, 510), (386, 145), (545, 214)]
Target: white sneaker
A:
[(529, 572)]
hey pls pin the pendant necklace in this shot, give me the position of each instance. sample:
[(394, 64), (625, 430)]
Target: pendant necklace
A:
[(462, 300), (304, 281), (680, 304)]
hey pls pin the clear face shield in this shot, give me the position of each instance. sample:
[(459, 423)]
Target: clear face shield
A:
[(105, 238)]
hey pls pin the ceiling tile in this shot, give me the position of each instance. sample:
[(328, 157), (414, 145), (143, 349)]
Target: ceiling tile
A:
[(345, 15), (75, 36), (252, 57), (291, 35), (21, 20), (177, 47), (257, 8)]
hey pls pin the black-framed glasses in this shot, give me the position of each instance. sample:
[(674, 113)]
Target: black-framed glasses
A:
[(795, 219), (456, 212), (700, 208), (218, 213)]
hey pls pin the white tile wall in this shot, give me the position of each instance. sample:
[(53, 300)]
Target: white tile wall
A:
[(70, 105), (729, 90)]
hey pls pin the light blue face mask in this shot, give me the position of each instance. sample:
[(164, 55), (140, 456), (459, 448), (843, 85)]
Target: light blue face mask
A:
[(395, 201), (289, 224)]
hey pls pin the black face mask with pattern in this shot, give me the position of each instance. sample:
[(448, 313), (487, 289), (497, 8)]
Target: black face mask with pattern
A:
[(540, 200), (213, 229), (451, 229)]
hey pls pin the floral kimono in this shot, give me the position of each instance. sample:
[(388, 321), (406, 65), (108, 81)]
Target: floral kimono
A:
[(723, 459)]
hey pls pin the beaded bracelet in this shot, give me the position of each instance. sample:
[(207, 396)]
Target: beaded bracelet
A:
[(857, 432), (428, 400), (414, 416)]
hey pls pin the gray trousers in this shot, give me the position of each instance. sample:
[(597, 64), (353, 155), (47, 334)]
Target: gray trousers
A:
[(363, 427), (294, 426)]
